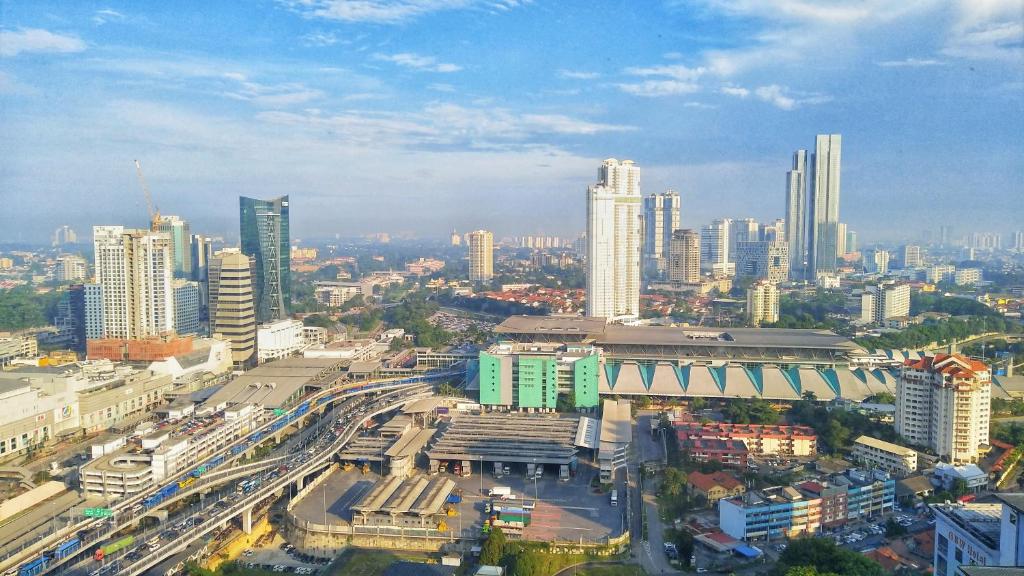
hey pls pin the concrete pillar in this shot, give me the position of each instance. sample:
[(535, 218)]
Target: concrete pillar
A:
[(299, 483), (247, 520)]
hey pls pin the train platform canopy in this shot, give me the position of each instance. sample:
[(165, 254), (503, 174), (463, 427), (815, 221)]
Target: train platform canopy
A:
[(275, 384), (425, 405), (417, 496), (411, 442), (397, 426), (366, 448), (499, 437)]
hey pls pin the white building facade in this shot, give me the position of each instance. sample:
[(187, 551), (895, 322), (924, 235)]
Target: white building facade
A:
[(614, 242)]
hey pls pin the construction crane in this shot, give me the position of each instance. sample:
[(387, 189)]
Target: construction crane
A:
[(154, 213)]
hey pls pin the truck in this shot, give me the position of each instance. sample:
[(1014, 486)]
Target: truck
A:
[(109, 549), (563, 473), (501, 491), (467, 469), (615, 498)]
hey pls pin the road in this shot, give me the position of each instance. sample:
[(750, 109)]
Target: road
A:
[(649, 552)]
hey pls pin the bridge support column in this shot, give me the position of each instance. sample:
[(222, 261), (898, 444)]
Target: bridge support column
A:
[(299, 483), (247, 520)]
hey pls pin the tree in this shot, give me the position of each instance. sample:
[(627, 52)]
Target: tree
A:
[(807, 571), (494, 548), (319, 320), (674, 482), (823, 554), (893, 528)]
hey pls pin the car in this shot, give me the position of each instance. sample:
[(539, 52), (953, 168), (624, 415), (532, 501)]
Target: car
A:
[(278, 568), (701, 570)]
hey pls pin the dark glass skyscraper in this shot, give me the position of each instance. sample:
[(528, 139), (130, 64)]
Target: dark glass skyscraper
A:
[(264, 235)]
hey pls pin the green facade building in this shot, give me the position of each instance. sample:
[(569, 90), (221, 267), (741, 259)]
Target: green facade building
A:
[(533, 377)]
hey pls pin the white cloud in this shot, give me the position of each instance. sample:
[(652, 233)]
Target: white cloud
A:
[(389, 11), (784, 98), (37, 40), (656, 88), (987, 30), (674, 71), (320, 39), (441, 87), (101, 17), (735, 91), (271, 96), (417, 62), (700, 105), (578, 74), (672, 55), (910, 63)]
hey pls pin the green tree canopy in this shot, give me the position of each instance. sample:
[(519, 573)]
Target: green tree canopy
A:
[(823, 556)]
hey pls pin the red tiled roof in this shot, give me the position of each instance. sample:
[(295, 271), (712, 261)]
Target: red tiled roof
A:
[(706, 482), (720, 537)]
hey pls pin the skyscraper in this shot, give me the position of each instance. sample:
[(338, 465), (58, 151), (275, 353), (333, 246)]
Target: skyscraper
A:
[(614, 242), (684, 258), (481, 256), (796, 214), (822, 250), (911, 256), (232, 311), (763, 260), (661, 218), (714, 244), (841, 239), (264, 235), (186, 306), (742, 230), (202, 253), (134, 269), (181, 244)]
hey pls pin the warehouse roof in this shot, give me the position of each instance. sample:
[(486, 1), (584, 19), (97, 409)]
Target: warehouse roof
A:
[(615, 418), (495, 437), (883, 445)]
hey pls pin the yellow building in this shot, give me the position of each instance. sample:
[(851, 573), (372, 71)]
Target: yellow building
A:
[(715, 486)]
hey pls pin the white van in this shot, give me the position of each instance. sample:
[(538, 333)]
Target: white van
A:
[(615, 498)]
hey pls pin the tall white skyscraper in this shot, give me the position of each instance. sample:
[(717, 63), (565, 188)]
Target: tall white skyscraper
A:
[(796, 214), (714, 244), (481, 256), (661, 218), (824, 204), (614, 241), (134, 269)]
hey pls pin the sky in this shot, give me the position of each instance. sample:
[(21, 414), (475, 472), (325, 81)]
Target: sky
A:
[(423, 116)]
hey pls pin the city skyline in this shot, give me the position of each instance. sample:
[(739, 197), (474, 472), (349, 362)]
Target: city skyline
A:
[(712, 104)]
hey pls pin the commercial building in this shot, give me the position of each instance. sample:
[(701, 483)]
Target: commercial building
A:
[(530, 377), (201, 249), (762, 303), (182, 452), (790, 511), (275, 384), (823, 204), (16, 347), (714, 246), (759, 439), (232, 305), (181, 244), (70, 268), (264, 231), (481, 256), (186, 306), (279, 340), (877, 262), (911, 257), (763, 260), (614, 242), (206, 364), (884, 301), (974, 479), (943, 402), (715, 486), (796, 214), (134, 268), (895, 459), (967, 276), (661, 219), (684, 258), (966, 534), (742, 230)]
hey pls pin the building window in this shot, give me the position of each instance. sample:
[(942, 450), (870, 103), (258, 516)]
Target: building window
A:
[(959, 555)]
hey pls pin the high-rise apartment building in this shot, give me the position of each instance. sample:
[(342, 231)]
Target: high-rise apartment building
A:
[(134, 269), (92, 311), (186, 306), (943, 403), (181, 244), (911, 257), (1018, 241), (714, 244), (762, 303), (481, 256), (661, 218), (684, 258), (884, 301), (264, 233), (614, 242), (763, 260), (64, 235), (877, 261), (70, 268), (232, 304), (796, 214), (841, 233), (823, 203), (456, 238)]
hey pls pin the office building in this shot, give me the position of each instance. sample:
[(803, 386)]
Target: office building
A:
[(70, 268), (614, 241), (684, 258), (763, 260), (714, 245), (279, 339), (181, 244), (897, 460), (824, 204), (877, 262), (134, 269), (796, 214), (851, 242), (87, 305), (967, 276), (661, 218), (201, 249), (943, 403), (232, 308), (742, 230), (186, 306), (911, 257), (264, 231), (762, 303), (481, 256), (884, 301)]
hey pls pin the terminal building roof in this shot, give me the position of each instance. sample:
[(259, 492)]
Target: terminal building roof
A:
[(496, 437)]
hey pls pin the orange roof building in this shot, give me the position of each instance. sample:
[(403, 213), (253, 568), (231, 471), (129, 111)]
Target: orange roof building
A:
[(715, 486)]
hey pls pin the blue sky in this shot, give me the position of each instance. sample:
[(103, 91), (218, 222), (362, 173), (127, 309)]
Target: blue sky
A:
[(426, 115)]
